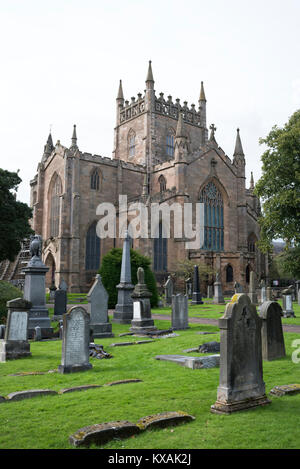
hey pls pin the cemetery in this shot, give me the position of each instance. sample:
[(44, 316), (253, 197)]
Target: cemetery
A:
[(150, 266), (94, 378)]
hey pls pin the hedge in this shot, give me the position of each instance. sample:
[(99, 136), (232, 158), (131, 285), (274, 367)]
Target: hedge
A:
[(7, 292), (110, 272)]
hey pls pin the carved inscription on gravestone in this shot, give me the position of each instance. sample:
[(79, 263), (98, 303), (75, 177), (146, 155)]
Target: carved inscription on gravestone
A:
[(75, 339), (17, 329)]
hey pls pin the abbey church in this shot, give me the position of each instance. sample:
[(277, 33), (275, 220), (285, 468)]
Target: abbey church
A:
[(163, 152)]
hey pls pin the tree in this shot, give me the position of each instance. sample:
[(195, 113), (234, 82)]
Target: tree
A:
[(110, 272), (14, 217), (279, 189), (185, 269)]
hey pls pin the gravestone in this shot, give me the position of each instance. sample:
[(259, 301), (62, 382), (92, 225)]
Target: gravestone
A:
[(287, 303), (271, 332), (238, 288), (52, 290), (142, 321), (37, 334), (62, 284), (15, 343), (35, 292), (60, 304), (218, 298), (299, 297), (252, 288), (169, 288), (269, 295), (180, 318), (241, 383), (263, 292), (124, 308), (98, 309), (188, 287), (210, 291), (196, 298), (75, 342)]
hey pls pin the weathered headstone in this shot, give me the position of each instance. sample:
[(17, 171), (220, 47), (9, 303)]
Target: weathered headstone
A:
[(52, 290), (98, 309), (180, 314), (269, 294), (142, 321), (263, 292), (35, 292), (241, 374), (188, 287), (252, 288), (37, 334), (63, 285), (210, 291), (287, 303), (60, 304), (76, 339), (238, 288), (169, 288), (15, 343), (218, 298), (271, 332), (124, 308), (196, 298)]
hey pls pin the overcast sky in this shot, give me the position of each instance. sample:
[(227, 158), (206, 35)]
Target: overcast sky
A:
[(61, 62)]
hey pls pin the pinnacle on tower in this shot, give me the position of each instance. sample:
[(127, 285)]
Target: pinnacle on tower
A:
[(180, 131), (251, 181), (238, 151), (120, 92), (150, 74), (212, 138), (74, 138), (48, 147), (202, 94)]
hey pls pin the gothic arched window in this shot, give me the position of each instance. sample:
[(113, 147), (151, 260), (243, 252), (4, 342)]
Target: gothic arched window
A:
[(131, 143), (55, 192), (251, 242), (162, 183), (160, 261), (92, 249), (247, 274), (95, 179), (229, 274), (213, 218), (170, 144)]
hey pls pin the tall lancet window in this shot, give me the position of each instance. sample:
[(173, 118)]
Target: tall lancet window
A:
[(162, 184), (92, 249), (170, 144), (55, 192), (213, 218), (95, 180), (160, 260), (131, 143)]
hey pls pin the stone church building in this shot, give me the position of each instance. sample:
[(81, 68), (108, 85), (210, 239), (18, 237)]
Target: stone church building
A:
[(163, 152)]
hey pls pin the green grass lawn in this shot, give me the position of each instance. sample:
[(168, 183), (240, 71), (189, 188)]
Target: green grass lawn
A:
[(211, 311), (46, 422)]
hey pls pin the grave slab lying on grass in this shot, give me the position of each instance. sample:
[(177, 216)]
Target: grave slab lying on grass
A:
[(79, 388), (138, 342), (19, 395), (286, 389), (123, 381), (164, 419), (103, 432), (212, 361)]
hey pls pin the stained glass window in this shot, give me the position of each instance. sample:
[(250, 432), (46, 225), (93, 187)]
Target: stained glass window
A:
[(55, 207), (213, 218), (92, 249), (160, 252)]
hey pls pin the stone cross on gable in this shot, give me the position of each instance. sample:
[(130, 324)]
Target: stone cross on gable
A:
[(213, 128)]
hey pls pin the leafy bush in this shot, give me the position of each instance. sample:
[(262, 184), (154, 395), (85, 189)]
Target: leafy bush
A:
[(7, 292), (110, 272)]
